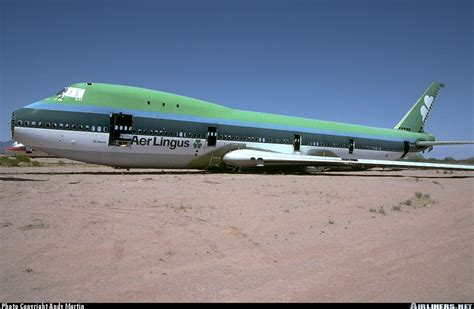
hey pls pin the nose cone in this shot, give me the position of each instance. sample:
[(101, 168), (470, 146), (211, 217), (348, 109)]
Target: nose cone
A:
[(20, 120), (14, 122)]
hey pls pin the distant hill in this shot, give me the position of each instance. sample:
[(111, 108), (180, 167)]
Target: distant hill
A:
[(4, 145), (449, 160)]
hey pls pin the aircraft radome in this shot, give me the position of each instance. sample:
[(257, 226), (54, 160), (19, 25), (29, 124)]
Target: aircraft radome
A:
[(131, 127)]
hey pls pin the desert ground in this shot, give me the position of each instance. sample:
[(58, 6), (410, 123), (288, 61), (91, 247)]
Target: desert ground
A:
[(75, 232)]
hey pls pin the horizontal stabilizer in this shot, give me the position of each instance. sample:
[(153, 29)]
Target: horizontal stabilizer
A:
[(441, 143)]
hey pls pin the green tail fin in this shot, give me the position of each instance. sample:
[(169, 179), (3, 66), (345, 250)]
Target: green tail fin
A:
[(415, 119)]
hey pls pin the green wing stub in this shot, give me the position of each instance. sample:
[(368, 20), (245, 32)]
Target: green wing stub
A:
[(415, 119)]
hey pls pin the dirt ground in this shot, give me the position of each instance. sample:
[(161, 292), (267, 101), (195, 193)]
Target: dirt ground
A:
[(91, 234)]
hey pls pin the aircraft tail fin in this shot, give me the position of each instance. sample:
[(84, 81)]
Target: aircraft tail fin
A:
[(415, 119)]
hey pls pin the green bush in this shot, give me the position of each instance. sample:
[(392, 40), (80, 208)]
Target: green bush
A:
[(6, 161), (23, 158), (35, 164)]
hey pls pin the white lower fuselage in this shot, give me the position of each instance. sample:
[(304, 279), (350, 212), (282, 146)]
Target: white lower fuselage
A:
[(147, 151)]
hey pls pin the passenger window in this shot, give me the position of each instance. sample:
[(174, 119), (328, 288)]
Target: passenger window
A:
[(19, 123), (81, 127), (93, 128), (73, 126), (61, 125), (48, 124), (99, 129), (33, 123), (40, 124), (106, 129), (55, 125), (67, 126)]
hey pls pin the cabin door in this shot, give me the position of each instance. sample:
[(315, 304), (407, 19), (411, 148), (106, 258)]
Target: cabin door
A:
[(406, 148), (297, 142), (120, 129), (211, 136), (351, 146)]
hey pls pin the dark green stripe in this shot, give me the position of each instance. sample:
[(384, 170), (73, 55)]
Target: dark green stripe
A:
[(150, 126)]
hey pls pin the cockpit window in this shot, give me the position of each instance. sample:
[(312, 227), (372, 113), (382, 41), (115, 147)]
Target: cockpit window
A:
[(61, 93)]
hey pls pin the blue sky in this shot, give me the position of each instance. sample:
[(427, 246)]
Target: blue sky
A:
[(363, 62)]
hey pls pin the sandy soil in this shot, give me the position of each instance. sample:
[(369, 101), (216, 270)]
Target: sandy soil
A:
[(85, 233)]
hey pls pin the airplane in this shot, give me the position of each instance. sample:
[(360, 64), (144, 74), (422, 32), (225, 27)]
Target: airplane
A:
[(130, 127)]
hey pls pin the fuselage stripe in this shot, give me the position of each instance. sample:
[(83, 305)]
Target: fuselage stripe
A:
[(219, 121)]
